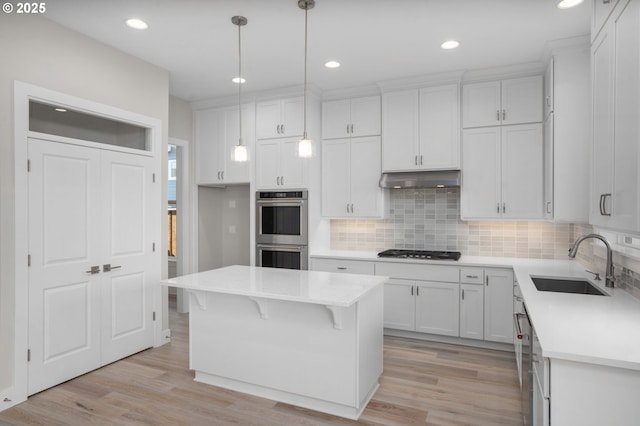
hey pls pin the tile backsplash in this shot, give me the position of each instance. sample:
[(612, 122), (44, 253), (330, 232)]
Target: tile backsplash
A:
[(430, 219)]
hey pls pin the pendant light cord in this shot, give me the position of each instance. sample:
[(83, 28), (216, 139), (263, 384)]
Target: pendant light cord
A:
[(239, 86), (305, 74)]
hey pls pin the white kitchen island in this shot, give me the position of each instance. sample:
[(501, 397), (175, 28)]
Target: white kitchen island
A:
[(311, 339)]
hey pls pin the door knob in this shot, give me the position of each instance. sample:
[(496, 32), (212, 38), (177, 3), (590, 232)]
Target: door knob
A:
[(94, 270), (107, 267)]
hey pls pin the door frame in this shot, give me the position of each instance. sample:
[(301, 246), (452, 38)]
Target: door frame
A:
[(23, 93)]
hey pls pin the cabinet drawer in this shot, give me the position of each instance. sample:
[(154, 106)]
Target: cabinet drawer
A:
[(472, 275), (410, 271), (344, 266)]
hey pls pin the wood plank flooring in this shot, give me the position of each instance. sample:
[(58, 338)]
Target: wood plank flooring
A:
[(423, 383)]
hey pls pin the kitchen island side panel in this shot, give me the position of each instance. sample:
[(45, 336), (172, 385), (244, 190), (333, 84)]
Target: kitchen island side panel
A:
[(289, 351)]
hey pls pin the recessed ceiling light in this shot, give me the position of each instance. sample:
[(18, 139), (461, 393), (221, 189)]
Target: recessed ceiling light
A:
[(566, 4), (137, 24), (238, 80), (60, 109), (450, 44), (332, 64)]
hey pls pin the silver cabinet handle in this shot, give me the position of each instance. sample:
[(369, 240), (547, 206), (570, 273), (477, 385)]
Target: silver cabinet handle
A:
[(603, 205), (498, 115), (549, 207), (416, 160), (277, 128), (218, 175), (417, 291), (606, 1), (281, 180), (504, 207), (342, 268), (412, 290), (498, 208), (94, 270), (472, 276), (352, 129), (278, 180), (421, 159), (222, 175), (462, 294), (107, 267), (347, 129), (504, 114), (282, 127)]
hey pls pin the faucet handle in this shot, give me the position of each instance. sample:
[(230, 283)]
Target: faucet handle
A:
[(597, 278)]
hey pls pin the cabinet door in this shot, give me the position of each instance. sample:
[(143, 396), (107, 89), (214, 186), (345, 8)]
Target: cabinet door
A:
[(601, 10), (480, 192), (472, 311), (548, 89), (267, 164), (366, 195), (481, 104), (399, 304), (268, 120), (365, 116), (400, 131), (439, 128), (498, 305), (522, 172), (209, 131), (602, 90), (335, 119), (522, 100), (292, 117), (437, 308), (236, 172), (335, 178), (293, 169), (626, 143), (548, 168)]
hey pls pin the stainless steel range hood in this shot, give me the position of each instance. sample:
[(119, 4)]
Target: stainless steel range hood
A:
[(431, 179)]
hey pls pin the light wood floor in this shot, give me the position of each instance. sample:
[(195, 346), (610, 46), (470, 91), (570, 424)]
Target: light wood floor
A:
[(423, 384)]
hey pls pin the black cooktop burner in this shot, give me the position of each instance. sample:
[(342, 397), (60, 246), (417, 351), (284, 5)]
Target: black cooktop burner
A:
[(420, 254)]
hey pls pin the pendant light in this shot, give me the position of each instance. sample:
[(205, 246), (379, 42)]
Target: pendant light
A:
[(305, 146), (240, 151)]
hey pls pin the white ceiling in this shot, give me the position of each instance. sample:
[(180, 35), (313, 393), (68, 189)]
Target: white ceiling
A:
[(375, 40)]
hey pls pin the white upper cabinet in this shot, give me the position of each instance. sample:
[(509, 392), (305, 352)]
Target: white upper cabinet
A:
[(512, 101), (548, 82), (616, 112), (280, 118), (350, 174), (420, 129), (566, 157), (351, 118), (502, 173), (600, 11), (216, 135), (278, 165)]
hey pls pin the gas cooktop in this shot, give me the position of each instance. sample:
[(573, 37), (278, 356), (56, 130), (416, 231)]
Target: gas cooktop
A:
[(420, 254)]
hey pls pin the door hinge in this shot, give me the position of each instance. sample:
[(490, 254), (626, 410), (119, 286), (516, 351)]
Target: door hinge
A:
[(28, 166), (28, 355), (153, 247), (154, 315), (28, 260), (153, 177)]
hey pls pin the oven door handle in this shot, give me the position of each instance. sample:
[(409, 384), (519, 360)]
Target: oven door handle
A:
[(281, 202), (516, 321), (281, 247)]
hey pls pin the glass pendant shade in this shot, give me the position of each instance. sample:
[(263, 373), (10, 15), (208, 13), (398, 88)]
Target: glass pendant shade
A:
[(305, 147), (240, 153)]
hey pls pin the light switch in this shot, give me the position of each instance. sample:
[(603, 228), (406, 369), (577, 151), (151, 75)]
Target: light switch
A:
[(232, 204)]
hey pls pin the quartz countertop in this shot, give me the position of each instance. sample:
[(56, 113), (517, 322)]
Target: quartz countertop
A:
[(602, 330), (326, 288)]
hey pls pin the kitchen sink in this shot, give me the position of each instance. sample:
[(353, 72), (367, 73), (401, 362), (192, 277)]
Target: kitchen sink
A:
[(566, 285)]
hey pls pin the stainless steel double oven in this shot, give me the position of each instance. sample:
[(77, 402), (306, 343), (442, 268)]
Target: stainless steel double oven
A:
[(282, 229)]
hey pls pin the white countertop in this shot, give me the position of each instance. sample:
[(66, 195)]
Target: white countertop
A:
[(325, 288), (601, 330)]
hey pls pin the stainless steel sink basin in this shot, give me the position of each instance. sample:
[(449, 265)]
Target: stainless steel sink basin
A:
[(566, 285)]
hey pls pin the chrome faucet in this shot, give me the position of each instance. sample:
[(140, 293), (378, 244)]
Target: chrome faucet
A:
[(609, 279)]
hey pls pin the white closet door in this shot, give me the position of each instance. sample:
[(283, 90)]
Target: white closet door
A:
[(64, 227), (130, 221)]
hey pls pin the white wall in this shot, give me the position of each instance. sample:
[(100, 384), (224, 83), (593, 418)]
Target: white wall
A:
[(220, 209), (40, 52)]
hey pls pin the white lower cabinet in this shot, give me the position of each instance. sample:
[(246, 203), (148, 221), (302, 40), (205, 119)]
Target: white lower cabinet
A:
[(472, 311), (399, 304), (498, 305), (437, 308)]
